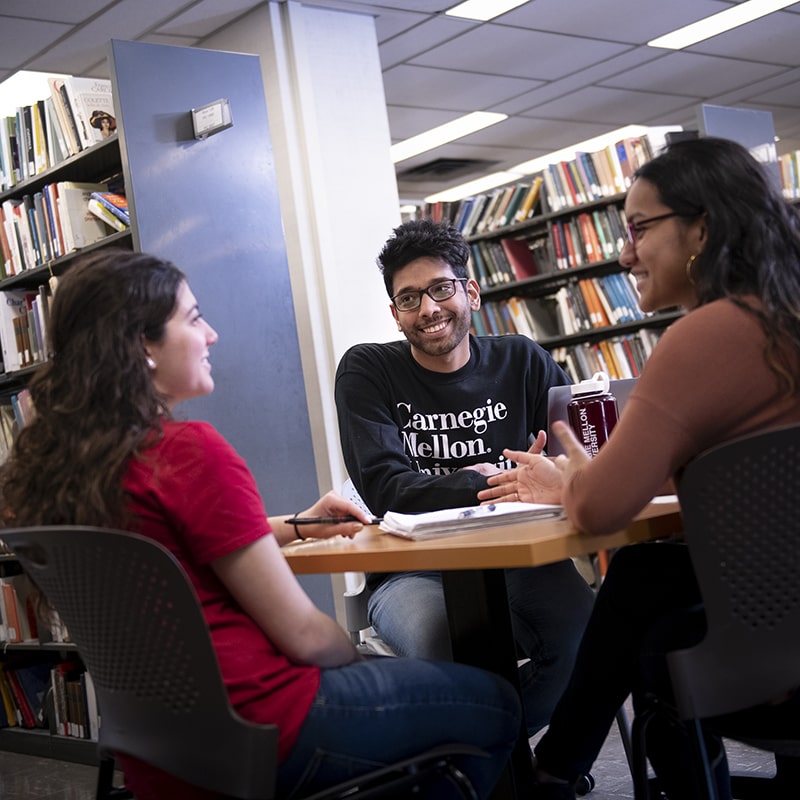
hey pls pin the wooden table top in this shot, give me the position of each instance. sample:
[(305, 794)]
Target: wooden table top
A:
[(526, 544)]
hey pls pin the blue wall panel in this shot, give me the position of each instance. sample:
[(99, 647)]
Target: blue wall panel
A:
[(211, 206)]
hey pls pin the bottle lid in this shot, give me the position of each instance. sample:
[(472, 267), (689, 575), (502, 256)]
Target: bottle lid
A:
[(597, 384)]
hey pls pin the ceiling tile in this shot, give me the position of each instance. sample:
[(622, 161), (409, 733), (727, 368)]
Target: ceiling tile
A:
[(499, 50), (419, 39), (448, 89), (526, 103), (701, 75), (54, 10), (615, 20), (772, 39), (22, 38), (615, 107), (88, 44), (207, 16)]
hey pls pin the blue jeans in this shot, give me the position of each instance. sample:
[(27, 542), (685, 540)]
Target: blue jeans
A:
[(381, 710), (549, 605)]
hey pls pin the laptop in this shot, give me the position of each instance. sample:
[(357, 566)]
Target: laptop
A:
[(558, 398)]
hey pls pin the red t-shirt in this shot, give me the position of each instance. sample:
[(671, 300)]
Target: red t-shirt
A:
[(194, 494)]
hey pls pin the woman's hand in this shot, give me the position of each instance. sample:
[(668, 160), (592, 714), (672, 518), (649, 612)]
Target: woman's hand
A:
[(537, 478), (575, 456), (331, 505)]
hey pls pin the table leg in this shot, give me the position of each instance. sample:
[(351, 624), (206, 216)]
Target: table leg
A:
[(481, 634)]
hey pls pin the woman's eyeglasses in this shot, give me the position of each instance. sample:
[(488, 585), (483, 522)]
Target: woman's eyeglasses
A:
[(637, 228)]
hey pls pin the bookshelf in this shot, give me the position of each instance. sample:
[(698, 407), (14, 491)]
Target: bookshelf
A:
[(97, 165), (551, 271), (36, 659), (210, 206)]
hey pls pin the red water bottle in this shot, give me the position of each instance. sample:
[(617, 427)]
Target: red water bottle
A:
[(592, 412)]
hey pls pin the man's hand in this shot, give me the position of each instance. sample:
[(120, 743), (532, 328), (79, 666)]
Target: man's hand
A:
[(484, 468)]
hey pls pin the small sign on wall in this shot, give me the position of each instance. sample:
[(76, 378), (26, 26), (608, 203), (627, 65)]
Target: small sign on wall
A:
[(211, 118)]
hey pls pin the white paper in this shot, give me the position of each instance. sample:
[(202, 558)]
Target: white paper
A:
[(451, 521)]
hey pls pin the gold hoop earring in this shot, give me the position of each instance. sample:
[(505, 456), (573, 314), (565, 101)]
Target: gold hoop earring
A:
[(689, 265)]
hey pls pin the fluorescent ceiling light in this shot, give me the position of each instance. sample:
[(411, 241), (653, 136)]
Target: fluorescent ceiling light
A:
[(655, 135), (442, 134), (719, 23), (483, 9), (23, 88)]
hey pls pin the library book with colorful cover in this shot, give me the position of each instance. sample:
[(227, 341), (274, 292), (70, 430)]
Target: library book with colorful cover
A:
[(453, 521)]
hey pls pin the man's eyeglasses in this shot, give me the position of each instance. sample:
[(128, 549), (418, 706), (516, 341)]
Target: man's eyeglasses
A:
[(438, 292)]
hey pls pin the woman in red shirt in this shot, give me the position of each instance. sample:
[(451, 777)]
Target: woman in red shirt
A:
[(128, 344)]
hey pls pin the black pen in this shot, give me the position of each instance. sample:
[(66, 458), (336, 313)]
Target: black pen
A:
[(330, 520)]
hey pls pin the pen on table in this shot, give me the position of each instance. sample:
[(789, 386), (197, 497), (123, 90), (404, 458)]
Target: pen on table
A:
[(332, 520)]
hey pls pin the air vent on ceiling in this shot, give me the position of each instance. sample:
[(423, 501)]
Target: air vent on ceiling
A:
[(445, 168)]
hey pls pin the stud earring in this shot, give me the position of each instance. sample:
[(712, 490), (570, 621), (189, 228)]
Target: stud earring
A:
[(150, 363)]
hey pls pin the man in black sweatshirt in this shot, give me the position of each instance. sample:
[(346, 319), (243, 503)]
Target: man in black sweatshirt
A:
[(424, 421)]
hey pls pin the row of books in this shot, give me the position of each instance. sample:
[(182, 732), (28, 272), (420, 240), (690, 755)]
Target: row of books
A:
[(74, 702), (562, 185), (64, 216), (60, 697), (620, 357), (23, 690), (500, 208), (19, 621), (24, 316), (16, 409), (789, 164), (600, 302), (586, 238), (536, 318), (594, 176), (584, 305), (78, 113), (495, 262)]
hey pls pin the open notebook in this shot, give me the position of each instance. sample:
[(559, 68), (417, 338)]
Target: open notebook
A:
[(560, 396), (452, 521)]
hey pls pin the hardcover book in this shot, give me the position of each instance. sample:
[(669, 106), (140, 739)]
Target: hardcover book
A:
[(92, 107)]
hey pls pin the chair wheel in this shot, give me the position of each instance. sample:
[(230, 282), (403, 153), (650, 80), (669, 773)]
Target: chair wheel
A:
[(584, 785)]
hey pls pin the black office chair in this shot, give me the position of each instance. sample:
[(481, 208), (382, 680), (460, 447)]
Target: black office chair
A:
[(140, 631), (741, 515)]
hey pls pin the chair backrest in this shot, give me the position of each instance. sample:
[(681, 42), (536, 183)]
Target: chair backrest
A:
[(741, 514), (136, 619)]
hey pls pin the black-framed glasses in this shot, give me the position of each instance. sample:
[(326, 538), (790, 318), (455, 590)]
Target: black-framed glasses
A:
[(635, 228), (438, 292)]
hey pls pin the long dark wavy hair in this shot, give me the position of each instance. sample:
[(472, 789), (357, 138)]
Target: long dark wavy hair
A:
[(753, 245), (95, 403)]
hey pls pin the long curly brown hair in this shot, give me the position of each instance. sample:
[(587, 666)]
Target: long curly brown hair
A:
[(95, 402)]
